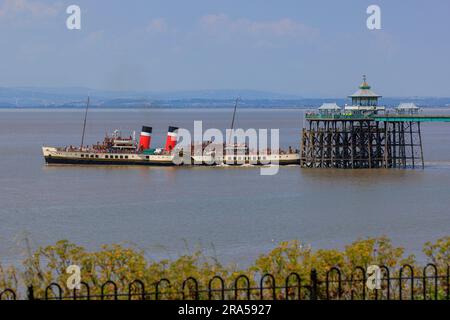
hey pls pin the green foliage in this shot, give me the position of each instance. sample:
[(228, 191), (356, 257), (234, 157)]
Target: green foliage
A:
[(8, 278), (123, 264), (438, 252), (294, 256), (117, 263)]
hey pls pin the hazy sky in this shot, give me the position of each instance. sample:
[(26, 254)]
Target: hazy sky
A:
[(309, 48)]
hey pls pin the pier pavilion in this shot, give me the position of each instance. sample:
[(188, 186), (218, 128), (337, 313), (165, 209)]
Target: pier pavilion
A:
[(364, 135)]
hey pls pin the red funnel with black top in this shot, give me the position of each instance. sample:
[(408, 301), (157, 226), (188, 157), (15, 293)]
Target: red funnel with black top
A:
[(171, 140), (145, 138)]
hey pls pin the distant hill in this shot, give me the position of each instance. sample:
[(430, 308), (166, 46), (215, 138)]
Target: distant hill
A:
[(75, 97)]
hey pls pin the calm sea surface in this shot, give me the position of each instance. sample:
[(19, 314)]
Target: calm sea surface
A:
[(232, 213)]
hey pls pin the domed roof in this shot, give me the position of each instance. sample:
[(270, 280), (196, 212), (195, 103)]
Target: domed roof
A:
[(364, 85), (364, 91)]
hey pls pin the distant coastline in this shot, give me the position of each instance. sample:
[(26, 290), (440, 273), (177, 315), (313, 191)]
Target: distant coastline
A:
[(306, 103), (69, 98), (192, 107)]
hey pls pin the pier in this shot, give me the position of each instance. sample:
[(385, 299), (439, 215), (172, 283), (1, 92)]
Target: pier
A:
[(364, 135)]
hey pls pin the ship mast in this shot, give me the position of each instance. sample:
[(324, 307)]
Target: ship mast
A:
[(234, 116), (84, 124)]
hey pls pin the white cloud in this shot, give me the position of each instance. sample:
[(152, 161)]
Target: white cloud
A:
[(384, 43), (158, 25), (283, 28), (95, 36), (11, 8)]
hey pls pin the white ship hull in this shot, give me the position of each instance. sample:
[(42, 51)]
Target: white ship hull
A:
[(54, 155)]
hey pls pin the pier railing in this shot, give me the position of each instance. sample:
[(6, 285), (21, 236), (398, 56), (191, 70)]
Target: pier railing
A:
[(336, 116), (407, 283), (382, 117)]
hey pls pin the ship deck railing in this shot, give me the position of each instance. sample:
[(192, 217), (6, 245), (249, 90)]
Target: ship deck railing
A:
[(247, 152)]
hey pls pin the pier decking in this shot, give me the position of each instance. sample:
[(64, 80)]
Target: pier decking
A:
[(379, 117), (411, 118)]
